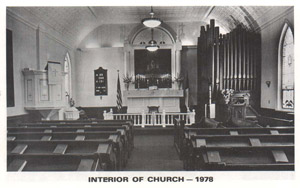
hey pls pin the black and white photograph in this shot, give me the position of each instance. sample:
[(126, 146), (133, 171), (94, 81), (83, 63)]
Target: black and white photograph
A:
[(184, 92)]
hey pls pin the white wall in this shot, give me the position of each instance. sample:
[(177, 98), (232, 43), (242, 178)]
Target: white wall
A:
[(25, 54), (270, 35), (103, 47), (87, 61)]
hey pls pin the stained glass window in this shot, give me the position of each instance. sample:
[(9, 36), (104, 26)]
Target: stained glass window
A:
[(287, 74)]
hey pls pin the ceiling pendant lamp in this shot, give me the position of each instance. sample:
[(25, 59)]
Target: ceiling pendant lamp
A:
[(152, 45), (151, 22)]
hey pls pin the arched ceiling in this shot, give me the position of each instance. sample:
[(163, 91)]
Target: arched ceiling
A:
[(75, 23)]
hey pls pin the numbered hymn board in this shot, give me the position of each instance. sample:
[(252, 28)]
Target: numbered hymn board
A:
[(100, 81)]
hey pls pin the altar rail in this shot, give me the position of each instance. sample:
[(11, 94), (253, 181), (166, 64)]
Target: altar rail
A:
[(152, 119)]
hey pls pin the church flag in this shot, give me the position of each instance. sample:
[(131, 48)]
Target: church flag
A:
[(119, 95)]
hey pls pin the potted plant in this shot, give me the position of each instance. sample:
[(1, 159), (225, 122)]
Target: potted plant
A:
[(179, 79), (227, 94), (127, 80)]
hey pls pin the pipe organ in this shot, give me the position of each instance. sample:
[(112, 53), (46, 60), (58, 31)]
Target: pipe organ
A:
[(227, 61)]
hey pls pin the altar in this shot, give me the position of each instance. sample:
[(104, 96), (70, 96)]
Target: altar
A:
[(153, 78), (165, 99)]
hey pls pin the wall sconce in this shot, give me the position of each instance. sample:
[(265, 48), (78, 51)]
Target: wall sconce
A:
[(268, 83)]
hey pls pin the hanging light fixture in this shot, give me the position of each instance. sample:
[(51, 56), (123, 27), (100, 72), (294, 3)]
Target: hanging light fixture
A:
[(152, 45), (151, 22)]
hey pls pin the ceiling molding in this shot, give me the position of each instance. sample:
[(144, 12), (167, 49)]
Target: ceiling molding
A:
[(275, 19), (21, 19), (42, 22), (91, 9), (56, 39), (36, 26), (209, 11)]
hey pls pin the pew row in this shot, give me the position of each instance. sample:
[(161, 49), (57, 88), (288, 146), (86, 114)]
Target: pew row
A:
[(203, 141), (242, 158), (182, 134), (53, 162), (105, 123), (114, 136), (125, 133), (235, 148), (103, 149)]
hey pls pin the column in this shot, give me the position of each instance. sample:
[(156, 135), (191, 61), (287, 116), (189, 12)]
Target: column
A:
[(126, 58), (178, 49)]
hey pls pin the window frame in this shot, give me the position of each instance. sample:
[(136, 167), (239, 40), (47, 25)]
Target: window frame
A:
[(279, 104), (68, 73)]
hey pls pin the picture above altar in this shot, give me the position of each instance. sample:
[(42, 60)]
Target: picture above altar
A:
[(153, 69)]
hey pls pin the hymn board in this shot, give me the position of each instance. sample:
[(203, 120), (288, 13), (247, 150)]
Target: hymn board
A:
[(100, 81)]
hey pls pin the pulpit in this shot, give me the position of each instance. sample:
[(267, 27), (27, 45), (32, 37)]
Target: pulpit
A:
[(41, 96)]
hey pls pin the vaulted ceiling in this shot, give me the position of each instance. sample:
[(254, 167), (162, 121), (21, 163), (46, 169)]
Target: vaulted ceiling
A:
[(75, 23)]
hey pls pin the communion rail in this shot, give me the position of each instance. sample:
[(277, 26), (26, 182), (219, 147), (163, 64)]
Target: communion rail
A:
[(152, 119)]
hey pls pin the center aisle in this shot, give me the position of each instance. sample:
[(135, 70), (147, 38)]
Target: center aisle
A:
[(154, 153)]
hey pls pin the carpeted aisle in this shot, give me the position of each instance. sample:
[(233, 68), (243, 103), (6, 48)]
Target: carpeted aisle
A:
[(154, 153)]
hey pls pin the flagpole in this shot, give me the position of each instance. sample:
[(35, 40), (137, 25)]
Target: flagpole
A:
[(119, 94)]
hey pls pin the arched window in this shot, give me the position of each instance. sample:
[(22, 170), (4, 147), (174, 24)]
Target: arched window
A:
[(286, 70), (67, 70)]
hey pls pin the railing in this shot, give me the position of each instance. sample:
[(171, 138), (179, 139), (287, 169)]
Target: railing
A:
[(152, 119)]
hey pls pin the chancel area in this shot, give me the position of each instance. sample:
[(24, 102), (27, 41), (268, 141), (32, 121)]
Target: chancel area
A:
[(185, 88)]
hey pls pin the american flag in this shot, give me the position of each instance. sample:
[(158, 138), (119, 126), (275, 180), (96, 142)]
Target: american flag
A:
[(119, 95)]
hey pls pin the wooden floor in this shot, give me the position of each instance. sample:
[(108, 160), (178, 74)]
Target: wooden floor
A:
[(154, 152)]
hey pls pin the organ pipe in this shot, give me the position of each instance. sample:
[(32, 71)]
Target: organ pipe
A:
[(227, 61)]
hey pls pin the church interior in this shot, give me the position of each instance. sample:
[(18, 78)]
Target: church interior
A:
[(140, 88)]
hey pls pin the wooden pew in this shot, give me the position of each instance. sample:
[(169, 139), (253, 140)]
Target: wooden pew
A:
[(179, 127), (237, 131), (230, 147), (104, 150), (244, 158), (125, 133), (187, 132), (86, 121), (54, 162), (115, 136), (106, 123), (193, 160), (241, 140), (200, 142), (274, 122)]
